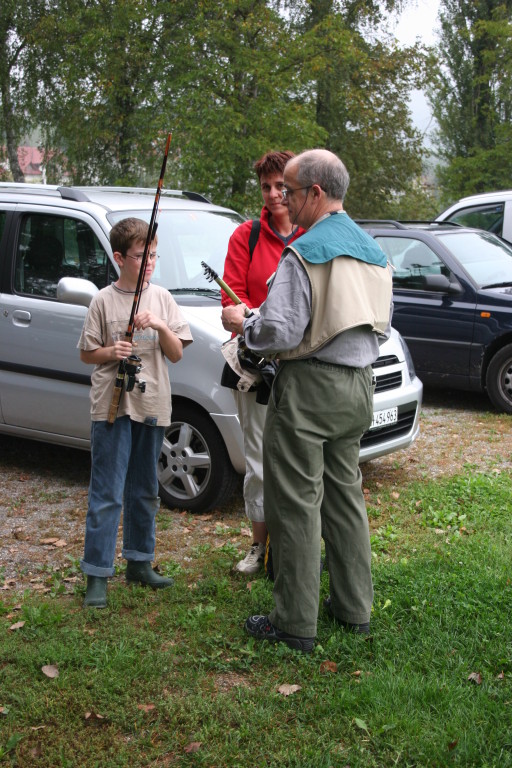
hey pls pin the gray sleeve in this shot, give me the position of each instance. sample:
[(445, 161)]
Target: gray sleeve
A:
[(286, 312)]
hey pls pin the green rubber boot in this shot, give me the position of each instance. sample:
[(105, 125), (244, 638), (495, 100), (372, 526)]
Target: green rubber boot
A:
[(141, 572), (96, 593)]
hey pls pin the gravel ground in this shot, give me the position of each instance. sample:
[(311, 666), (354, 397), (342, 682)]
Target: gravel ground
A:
[(43, 491)]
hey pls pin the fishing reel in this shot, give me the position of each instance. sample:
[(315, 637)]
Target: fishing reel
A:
[(132, 366), (250, 360)]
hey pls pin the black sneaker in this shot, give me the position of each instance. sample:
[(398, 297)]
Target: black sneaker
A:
[(262, 629), (359, 629)]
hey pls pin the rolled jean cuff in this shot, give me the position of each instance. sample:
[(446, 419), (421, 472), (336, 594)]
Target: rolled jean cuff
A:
[(255, 513), (96, 570), (139, 557)]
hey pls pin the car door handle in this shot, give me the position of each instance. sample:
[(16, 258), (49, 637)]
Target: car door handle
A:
[(21, 317)]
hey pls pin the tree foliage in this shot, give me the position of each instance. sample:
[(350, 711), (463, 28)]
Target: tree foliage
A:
[(17, 63), (472, 96), (232, 80)]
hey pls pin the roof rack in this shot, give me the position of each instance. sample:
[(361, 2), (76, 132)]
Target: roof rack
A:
[(405, 223), (68, 192), (79, 194), (29, 188), (382, 223)]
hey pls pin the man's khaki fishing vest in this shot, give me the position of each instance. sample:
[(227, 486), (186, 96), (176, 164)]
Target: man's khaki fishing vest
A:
[(345, 293)]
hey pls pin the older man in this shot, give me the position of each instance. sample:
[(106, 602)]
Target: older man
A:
[(327, 308)]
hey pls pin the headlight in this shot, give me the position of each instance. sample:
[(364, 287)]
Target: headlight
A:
[(408, 358)]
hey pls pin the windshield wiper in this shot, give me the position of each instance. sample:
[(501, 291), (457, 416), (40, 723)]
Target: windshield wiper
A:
[(202, 291), (498, 285)]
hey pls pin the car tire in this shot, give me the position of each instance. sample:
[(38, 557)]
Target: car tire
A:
[(498, 379), (194, 470)]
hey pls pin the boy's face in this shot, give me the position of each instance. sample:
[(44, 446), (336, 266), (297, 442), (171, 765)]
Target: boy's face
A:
[(131, 261)]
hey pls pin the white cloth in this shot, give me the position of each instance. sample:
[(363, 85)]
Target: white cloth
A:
[(247, 378), (252, 420)]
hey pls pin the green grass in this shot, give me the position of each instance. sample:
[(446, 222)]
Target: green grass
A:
[(146, 681)]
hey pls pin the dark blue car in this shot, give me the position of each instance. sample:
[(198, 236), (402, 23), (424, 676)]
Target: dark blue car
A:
[(452, 289)]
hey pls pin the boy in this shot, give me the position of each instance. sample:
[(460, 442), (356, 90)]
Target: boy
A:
[(124, 454)]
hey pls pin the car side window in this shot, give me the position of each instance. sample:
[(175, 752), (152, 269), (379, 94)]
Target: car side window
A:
[(412, 260), (489, 217), (51, 247)]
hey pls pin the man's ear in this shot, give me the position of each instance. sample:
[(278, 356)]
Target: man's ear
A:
[(316, 190)]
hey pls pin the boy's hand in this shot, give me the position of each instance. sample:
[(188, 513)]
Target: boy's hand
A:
[(122, 349), (147, 319)]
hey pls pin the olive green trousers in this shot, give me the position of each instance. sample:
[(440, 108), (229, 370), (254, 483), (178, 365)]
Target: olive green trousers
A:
[(316, 416)]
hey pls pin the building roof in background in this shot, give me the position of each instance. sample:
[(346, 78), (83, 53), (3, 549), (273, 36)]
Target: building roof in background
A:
[(30, 160)]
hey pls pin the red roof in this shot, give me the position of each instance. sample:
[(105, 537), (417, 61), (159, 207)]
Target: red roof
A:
[(30, 160)]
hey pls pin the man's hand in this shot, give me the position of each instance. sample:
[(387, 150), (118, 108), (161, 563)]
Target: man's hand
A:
[(233, 318)]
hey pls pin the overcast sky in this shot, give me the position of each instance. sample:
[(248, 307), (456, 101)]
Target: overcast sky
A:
[(419, 21)]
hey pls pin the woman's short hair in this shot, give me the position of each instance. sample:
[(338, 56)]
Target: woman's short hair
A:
[(272, 162)]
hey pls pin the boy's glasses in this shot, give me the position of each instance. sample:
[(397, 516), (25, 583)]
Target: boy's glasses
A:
[(138, 257)]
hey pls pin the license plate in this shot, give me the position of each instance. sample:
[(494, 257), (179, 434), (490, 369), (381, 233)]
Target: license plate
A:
[(384, 418)]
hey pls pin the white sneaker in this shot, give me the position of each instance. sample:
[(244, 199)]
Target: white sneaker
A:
[(253, 560)]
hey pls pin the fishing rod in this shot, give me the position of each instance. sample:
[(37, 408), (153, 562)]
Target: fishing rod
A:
[(129, 366)]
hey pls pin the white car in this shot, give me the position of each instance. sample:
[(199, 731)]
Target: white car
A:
[(490, 210), (49, 235)]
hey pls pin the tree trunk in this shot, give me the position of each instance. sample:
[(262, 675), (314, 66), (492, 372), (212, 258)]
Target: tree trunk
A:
[(11, 136)]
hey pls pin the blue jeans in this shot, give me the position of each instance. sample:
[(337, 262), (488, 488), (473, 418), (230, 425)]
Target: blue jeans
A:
[(124, 459)]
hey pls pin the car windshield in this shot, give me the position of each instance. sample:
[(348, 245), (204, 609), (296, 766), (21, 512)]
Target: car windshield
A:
[(486, 259), (185, 239)]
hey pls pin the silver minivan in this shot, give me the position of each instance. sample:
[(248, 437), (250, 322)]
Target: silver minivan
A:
[(55, 253)]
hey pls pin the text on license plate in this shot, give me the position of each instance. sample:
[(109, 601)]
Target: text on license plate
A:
[(384, 418)]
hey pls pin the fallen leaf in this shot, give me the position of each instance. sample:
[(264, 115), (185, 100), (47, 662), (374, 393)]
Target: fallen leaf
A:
[(453, 744), (501, 676), (475, 677), (245, 532), (94, 717), (60, 543), (286, 689), (194, 746), (146, 707), (50, 670), (361, 724), (328, 666), (249, 585), (356, 673), (18, 625), (48, 541), (395, 494)]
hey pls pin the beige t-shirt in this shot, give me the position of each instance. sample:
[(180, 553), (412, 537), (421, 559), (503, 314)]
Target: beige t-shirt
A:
[(106, 322)]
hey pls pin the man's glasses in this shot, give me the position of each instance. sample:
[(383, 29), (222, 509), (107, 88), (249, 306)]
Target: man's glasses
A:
[(138, 257), (287, 192)]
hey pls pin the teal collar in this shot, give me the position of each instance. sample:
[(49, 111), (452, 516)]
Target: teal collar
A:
[(337, 235)]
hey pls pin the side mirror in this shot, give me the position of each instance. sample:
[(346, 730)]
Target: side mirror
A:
[(441, 283), (76, 290)]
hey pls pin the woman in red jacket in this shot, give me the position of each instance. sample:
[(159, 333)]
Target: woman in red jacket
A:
[(247, 274)]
